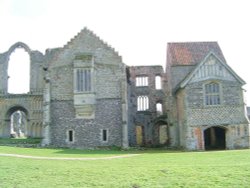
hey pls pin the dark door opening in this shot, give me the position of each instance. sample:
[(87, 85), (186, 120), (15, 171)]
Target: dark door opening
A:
[(215, 138)]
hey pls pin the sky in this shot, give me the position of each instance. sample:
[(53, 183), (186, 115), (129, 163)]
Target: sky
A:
[(138, 29)]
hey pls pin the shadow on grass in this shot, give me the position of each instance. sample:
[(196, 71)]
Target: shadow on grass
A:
[(116, 151)]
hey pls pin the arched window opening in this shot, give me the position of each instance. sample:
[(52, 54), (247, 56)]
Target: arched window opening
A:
[(18, 124), (159, 109), (142, 103), (19, 72), (158, 82)]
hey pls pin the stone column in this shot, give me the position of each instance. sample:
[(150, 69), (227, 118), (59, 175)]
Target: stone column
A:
[(124, 113), (46, 111)]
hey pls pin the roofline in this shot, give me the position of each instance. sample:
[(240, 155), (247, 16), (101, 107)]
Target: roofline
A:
[(190, 75)]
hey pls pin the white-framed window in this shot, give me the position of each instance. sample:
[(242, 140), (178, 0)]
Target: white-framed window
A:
[(142, 103), (83, 80), (70, 136), (104, 135), (141, 81), (212, 94), (158, 82)]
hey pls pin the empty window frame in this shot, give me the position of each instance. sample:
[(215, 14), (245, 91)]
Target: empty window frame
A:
[(104, 135), (141, 81), (142, 103), (83, 80), (158, 82), (212, 94), (159, 109)]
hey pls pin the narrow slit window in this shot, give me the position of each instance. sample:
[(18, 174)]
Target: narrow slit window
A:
[(104, 135), (70, 135)]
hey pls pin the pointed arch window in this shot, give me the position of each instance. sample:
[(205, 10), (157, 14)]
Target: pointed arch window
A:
[(212, 94), (19, 71)]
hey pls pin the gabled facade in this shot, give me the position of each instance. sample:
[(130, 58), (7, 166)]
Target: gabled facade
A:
[(208, 108), (87, 94), (83, 96)]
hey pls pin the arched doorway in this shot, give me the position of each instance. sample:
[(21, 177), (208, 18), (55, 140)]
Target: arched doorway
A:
[(161, 132), (17, 122), (215, 138)]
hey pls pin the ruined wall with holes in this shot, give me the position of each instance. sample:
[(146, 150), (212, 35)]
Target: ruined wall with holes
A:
[(31, 102), (34, 106), (145, 118), (109, 107), (36, 69)]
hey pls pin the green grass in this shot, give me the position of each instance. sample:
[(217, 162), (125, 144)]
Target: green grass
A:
[(153, 168)]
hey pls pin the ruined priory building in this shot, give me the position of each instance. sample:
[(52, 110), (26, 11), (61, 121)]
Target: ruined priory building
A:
[(83, 96)]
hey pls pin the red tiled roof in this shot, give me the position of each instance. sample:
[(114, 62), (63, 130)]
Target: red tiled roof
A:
[(191, 53)]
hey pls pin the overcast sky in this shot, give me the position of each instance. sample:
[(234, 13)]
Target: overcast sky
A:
[(138, 29)]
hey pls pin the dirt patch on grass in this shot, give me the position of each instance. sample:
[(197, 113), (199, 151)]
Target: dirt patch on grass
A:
[(68, 158)]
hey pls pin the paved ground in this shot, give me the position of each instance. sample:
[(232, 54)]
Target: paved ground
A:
[(68, 158)]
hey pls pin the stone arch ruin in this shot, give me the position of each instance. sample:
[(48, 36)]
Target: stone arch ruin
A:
[(31, 103)]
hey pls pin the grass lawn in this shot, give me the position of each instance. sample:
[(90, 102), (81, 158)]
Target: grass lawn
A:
[(153, 168)]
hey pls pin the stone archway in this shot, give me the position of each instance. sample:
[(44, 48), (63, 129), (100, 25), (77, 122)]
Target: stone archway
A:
[(17, 122), (215, 138), (161, 133)]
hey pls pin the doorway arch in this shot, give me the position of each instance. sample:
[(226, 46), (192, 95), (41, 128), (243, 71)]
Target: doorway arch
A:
[(161, 132), (17, 119), (215, 138)]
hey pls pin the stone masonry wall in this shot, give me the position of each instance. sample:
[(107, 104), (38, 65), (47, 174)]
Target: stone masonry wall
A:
[(230, 114), (231, 110), (87, 132), (144, 118), (108, 76)]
